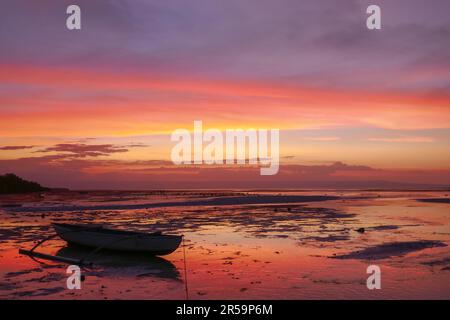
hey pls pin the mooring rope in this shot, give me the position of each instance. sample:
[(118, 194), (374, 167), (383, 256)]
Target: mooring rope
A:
[(185, 270)]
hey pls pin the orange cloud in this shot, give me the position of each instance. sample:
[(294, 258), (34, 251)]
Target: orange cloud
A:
[(79, 102)]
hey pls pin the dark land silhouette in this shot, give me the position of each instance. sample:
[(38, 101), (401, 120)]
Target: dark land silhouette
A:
[(10, 183)]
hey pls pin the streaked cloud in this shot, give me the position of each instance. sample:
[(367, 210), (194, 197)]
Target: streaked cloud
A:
[(403, 139), (322, 138), (84, 173)]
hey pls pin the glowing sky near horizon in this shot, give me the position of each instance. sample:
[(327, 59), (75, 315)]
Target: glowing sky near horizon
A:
[(140, 69)]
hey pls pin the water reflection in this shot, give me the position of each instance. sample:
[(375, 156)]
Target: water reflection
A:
[(131, 264)]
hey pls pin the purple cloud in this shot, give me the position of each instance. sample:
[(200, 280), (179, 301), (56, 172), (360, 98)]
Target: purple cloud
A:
[(308, 42), (83, 173), (7, 148), (81, 150)]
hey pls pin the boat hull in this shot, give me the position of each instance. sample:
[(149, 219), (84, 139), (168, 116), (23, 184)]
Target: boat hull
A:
[(98, 237)]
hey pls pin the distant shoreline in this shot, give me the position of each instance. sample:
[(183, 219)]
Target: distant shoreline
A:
[(435, 200), (216, 201), (244, 190)]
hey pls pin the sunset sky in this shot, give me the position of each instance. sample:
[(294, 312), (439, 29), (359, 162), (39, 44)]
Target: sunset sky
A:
[(94, 108)]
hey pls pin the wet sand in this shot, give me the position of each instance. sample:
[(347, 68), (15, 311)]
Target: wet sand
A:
[(267, 245)]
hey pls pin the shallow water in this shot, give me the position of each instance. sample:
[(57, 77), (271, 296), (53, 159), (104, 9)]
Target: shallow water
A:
[(305, 250)]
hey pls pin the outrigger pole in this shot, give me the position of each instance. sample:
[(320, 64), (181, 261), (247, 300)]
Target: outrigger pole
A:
[(33, 254)]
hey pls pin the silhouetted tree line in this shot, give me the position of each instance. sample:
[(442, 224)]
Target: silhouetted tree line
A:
[(10, 183)]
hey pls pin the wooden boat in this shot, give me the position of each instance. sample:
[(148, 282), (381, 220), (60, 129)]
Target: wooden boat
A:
[(96, 236)]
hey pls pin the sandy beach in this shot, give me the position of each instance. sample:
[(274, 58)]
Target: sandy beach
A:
[(239, 245)]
